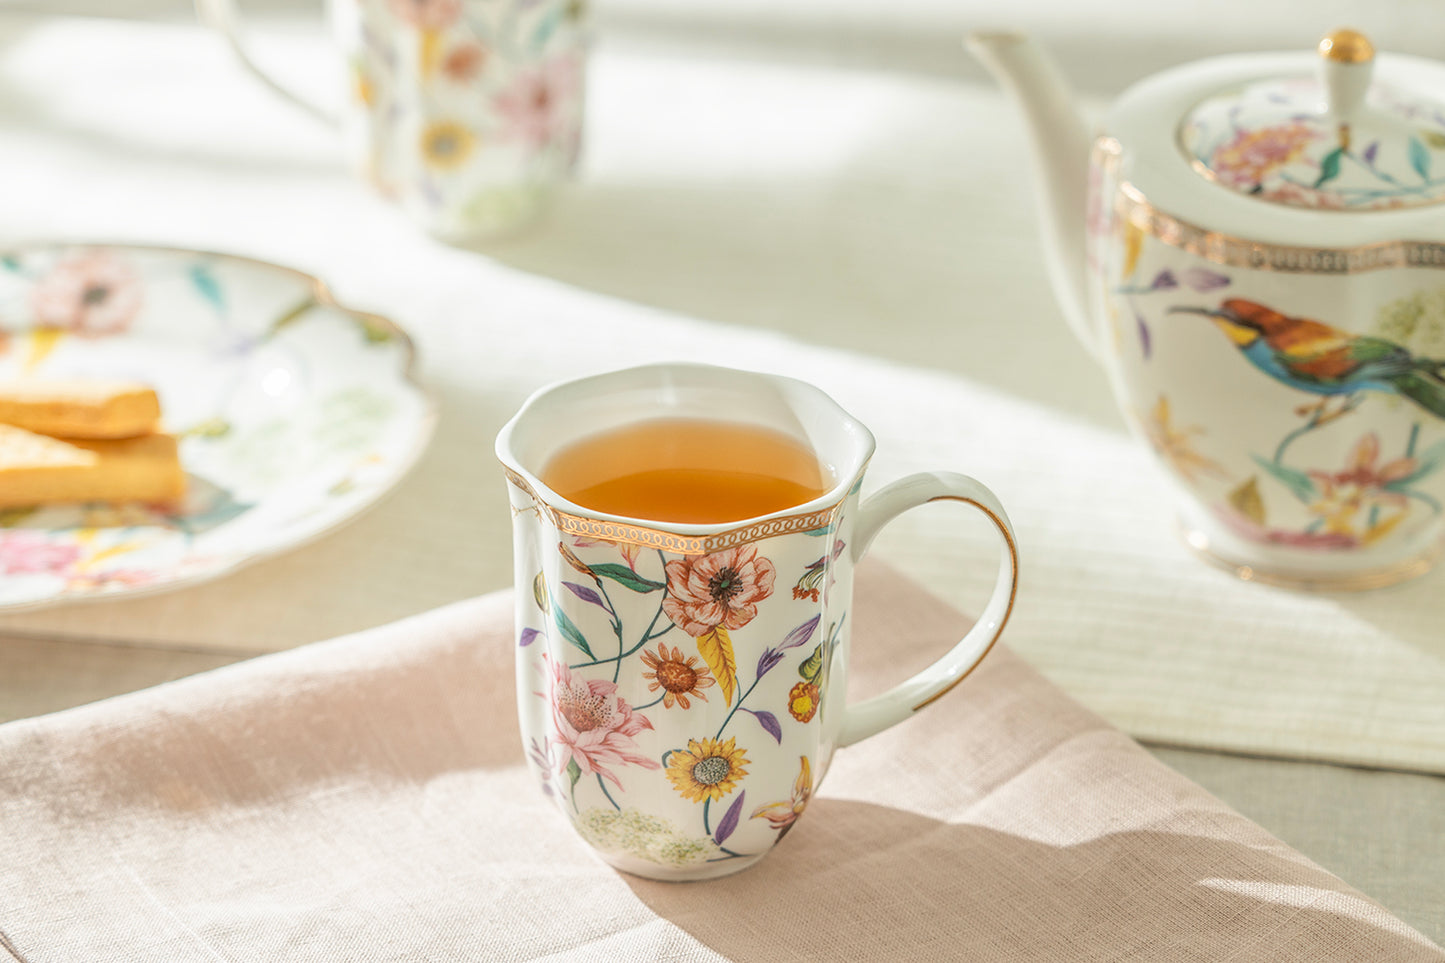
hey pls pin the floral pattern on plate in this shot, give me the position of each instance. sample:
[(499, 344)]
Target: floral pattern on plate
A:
[(294, 413)]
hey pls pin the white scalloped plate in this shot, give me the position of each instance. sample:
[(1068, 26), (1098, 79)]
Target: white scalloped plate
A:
[(295, 414)]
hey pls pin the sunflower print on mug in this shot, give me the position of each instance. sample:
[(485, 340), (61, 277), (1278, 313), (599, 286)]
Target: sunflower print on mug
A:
[(707, 769), (446, 145), (594, 753)]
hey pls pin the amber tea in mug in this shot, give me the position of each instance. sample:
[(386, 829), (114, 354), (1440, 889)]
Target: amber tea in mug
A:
[(688, 470)]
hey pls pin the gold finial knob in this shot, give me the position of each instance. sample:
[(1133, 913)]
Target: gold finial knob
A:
[(1346, 46)]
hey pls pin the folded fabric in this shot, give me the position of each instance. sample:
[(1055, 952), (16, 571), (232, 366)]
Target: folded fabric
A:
[(367, 799)]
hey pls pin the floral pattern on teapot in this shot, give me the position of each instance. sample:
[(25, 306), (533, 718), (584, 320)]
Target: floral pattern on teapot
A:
[(1271, 141)]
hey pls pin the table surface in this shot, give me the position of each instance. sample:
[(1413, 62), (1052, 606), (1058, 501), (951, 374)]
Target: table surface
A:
[(748, 251)]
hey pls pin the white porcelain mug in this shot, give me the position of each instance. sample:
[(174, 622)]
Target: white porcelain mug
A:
[(681, 687), (469, 112)]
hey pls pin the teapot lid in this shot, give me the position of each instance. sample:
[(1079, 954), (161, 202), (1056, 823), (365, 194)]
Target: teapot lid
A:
[(1336, 141)]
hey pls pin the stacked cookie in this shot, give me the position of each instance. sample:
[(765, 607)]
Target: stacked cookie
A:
[(85, 441)]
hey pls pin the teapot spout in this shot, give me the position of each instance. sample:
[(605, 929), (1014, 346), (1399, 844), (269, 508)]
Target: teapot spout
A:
[(1060, 143)]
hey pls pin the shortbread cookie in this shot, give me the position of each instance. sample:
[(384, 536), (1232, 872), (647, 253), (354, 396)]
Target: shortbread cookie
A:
[(80, 408), (40, 470)]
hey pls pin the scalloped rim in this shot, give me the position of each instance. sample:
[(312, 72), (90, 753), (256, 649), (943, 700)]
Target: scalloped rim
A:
[(324, 296)]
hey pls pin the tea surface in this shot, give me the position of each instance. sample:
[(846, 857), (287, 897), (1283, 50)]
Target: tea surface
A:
[(687, 470)]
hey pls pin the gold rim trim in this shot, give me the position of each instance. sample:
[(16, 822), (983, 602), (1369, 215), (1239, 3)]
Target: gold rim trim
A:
[(1198, 543), (1013, 592), (666, 541), (1132, 207)]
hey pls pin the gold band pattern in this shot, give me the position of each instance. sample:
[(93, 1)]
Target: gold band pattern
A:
[(671, 541), (1131, 206)]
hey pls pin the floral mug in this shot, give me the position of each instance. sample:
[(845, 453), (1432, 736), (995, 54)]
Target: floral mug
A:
[(681, 687), (469, 112)]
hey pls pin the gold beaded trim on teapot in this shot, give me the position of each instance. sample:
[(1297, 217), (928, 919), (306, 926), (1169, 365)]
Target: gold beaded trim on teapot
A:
[(1132, 207)]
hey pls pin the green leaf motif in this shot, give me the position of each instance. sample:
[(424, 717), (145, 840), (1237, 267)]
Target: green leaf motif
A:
[(1427, 463), (208, 287), (209, 507), (1296, 481), (10, 263), (1420, 158), (375, 330), (574, 771), (1330, 166), (811, 669), (214, 427), (570, 631), (290, 317), (350, 420), (1431, 459), (546, 28), (626, 577)]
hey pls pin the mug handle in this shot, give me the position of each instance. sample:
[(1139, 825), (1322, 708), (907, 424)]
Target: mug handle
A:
[(873, 715), (223, 17)]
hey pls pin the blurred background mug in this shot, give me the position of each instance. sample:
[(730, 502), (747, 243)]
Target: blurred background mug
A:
[(468, 112)]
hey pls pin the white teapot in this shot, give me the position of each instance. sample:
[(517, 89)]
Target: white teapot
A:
[(1254, 248)]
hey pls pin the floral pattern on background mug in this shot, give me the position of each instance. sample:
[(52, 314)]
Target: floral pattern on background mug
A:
[(681, 687), (468, 112)]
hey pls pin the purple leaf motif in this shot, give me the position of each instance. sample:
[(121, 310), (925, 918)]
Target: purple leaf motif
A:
[(1144, 341), (585, 594), (1371, 152), (769, 722), (1164, 281), (730, 819), (527, 637), (768, 660), (1202, 279), (801, 634)]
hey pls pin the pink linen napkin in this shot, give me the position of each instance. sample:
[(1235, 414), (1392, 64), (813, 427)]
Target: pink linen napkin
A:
[(366, 799)]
